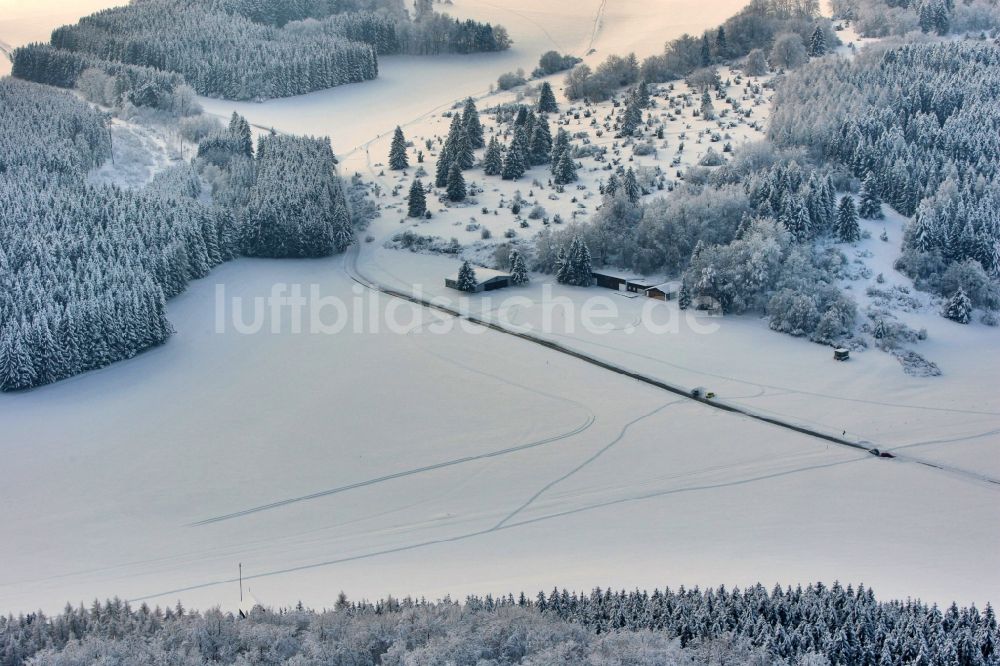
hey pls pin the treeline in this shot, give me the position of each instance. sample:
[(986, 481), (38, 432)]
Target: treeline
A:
[(920, 123), (119, 83), (218, 53), (85, 271), (881, 18), (792, 25), (812, 626), (247, 49)]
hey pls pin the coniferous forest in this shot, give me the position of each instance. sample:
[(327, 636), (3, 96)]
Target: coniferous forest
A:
[(86, 269), (812, 626), (920, 124), (241, 49)]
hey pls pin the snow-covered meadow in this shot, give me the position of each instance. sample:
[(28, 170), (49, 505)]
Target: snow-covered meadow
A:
[(431, 464)]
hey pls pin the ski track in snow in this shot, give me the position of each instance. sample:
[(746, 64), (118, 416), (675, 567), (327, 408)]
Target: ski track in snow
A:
[(583, 464)]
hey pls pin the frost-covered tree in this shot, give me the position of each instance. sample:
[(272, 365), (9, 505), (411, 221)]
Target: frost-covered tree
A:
[(466, 274), (547, 99), (456, 183), (541, 141), (871, 204), (493, 159), (397, 151), (630, 185), (958, 308), (473, 125), (239, 128), (575, 265), (817, 43), (707, 108), (518, 269), (416, 200), (565, 171), (848, 230), (513, 161)]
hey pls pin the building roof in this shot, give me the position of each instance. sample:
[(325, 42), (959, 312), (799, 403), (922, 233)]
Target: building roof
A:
[(482, 275)]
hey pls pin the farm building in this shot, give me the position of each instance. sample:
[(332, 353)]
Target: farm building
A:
[(486, 280), (653, 288)]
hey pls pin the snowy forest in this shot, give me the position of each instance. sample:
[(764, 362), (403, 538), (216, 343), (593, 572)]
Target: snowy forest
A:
[(86, 269), (919, 124), (239, 49), (881, 18), (812, 626)]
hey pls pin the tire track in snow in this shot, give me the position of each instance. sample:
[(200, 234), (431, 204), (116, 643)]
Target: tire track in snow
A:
[(589, 421), (490, 530), (583, 464)]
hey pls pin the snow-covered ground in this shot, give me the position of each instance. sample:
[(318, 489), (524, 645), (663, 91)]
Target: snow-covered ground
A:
[(469, 461)]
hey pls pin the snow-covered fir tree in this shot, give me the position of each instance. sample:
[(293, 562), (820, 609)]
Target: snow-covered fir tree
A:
[(547, 99), (493, 159), (416, 200), (958, 308), (870, 207), (466, 274), (817, 43), (473, 125), (848, 230), (456, 183), (518, 269), (398, 159)]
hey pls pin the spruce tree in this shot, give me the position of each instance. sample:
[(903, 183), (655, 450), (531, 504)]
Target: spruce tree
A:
[(522, 139), (565, 171), (443, 167), (631, 186), (466, 274), (473, 126), (456, 183), (612, 185), (871, 203), (707, 109), (575, 268), (848, 230), (633, 116), (559, 144), (518, 271), (17, 371), (706, 51), (541, 142), (817, 43), (397, 151), (547, 100), (721, 43), (417, 200), (684, 298), (513, 162), (493, 160), (463, 155), (958, 308), (240, 129)]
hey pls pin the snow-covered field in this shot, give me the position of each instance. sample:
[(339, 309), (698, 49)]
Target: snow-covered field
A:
[(469, 461)]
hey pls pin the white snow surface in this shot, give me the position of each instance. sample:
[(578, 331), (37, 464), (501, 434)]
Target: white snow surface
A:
[(444, 464)]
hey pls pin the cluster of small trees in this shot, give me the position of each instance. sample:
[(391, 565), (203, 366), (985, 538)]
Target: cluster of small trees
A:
[(917, 123), (812, 626), (457, 154), (85, 271)]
